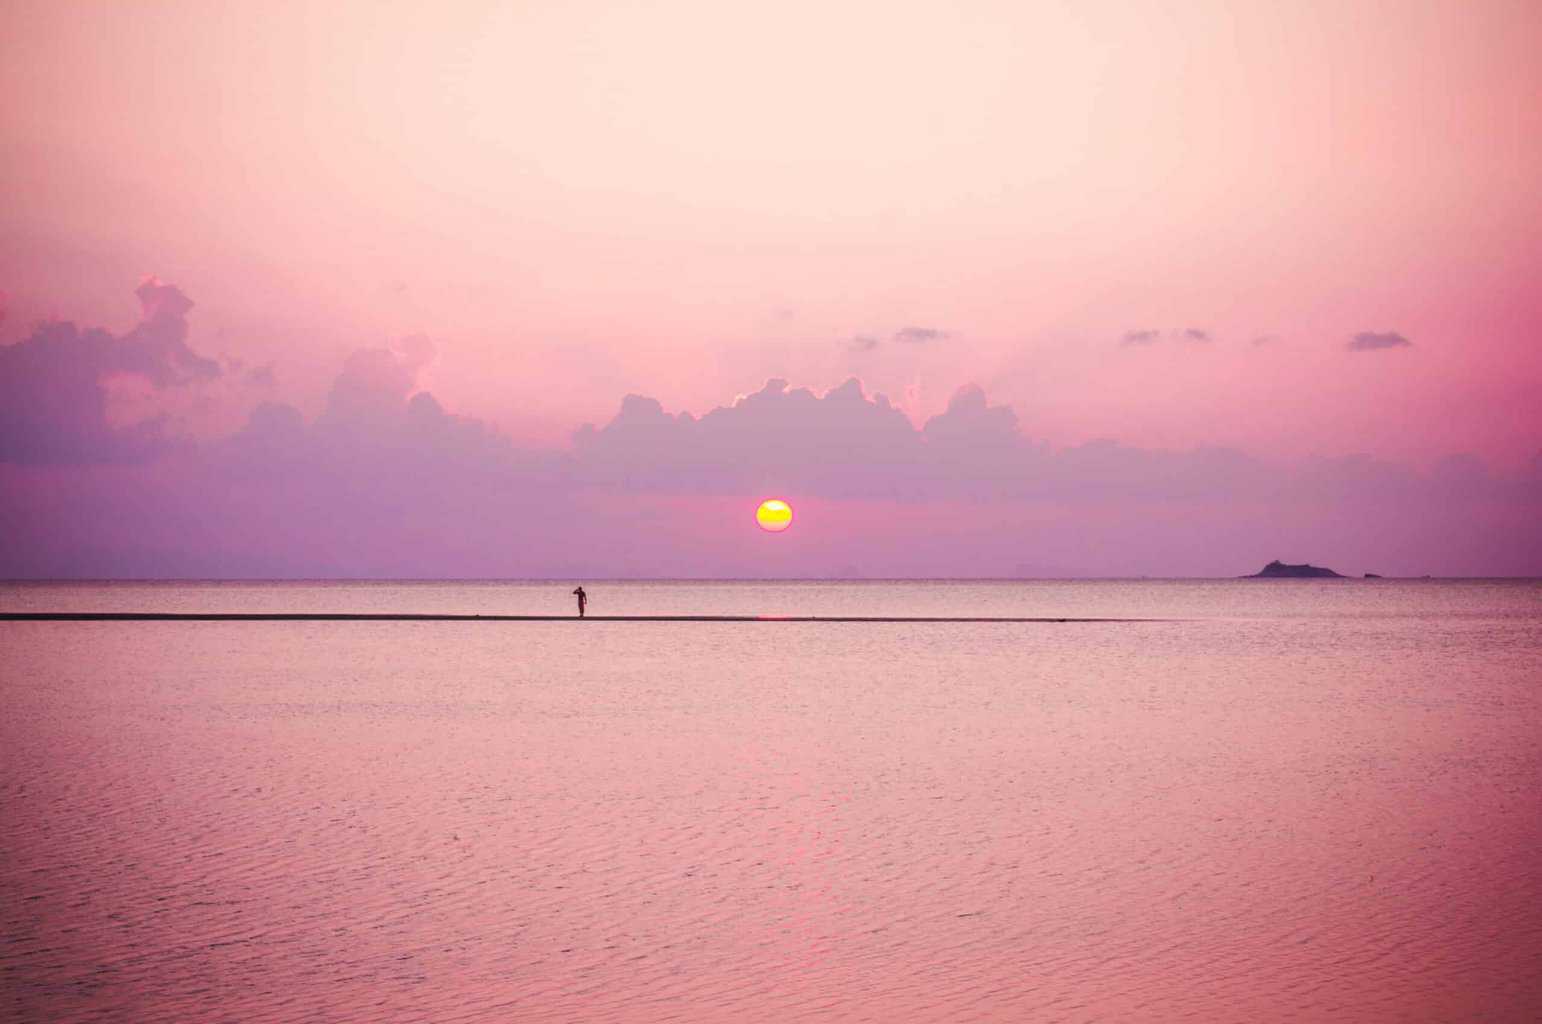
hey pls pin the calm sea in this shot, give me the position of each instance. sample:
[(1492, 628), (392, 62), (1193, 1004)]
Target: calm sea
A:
[(1293, 800)]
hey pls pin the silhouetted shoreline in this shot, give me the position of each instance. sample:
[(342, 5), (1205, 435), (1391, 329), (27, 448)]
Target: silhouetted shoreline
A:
[(1281, 571)]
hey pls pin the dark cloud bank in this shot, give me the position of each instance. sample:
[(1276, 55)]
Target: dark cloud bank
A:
[(384, 481)]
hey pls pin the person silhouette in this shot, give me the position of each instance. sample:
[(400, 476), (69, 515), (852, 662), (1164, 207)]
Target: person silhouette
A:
[(583, 600)]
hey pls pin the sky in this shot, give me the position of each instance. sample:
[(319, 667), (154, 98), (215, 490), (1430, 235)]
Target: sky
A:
[(520, 289)]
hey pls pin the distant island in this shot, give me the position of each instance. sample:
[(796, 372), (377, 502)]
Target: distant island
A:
[(1281, 571)]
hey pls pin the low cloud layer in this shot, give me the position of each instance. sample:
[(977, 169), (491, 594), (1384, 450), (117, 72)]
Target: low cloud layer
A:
[(385, 481)]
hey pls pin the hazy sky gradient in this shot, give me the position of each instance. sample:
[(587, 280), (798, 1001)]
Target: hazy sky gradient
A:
[(1302, 232)]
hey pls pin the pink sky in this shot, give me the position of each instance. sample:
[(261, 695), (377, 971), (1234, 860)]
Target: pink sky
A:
[(1163, 228)]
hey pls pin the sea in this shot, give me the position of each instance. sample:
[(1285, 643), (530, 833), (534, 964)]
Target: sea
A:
[(1236, 800)]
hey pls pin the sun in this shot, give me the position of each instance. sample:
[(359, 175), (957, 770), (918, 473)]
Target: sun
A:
[(774, 515)]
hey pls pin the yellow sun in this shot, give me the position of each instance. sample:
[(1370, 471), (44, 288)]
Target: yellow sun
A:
[(774, 515)]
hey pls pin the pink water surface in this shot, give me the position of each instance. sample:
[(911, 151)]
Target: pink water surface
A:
[(1296, 802)]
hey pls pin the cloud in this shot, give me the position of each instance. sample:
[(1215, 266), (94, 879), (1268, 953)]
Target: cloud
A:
[(157, 347), (846, 444), (376, 416), (1265, 339), (970, 422), (386, 481), (780, 437), (905, 335), (920, 335), (376, 381), (1371, 341), (53, 384), (1152, 335)]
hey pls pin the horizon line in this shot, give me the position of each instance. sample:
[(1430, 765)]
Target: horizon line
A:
[(454, 617), (711, 579)]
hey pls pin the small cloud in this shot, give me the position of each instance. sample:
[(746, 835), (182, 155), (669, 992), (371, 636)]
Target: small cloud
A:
[(1265, 339), (1371, 341), (919, 335), (161, 302), (862, 343), (1152, 335)]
